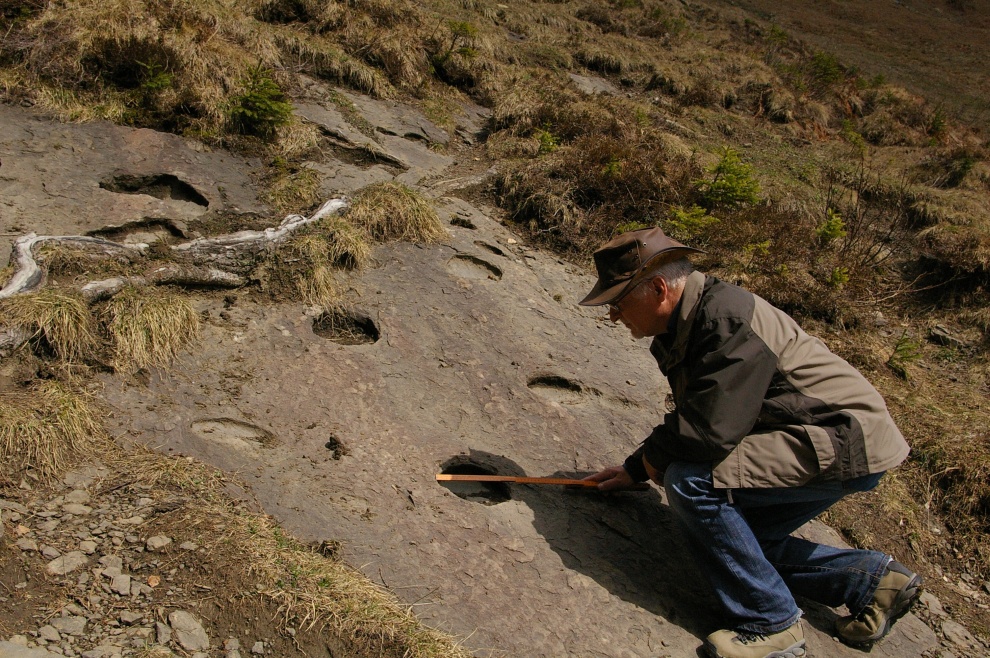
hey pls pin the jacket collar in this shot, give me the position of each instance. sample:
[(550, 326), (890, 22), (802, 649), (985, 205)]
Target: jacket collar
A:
[(670, 348)]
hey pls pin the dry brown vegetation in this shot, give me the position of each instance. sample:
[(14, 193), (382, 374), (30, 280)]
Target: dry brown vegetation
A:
[(855, 204)]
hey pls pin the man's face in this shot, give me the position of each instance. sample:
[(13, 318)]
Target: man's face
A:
[(640, 310), (643, 310)]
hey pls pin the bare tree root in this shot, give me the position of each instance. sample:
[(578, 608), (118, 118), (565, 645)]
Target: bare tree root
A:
[(217, 262), (28, 276)]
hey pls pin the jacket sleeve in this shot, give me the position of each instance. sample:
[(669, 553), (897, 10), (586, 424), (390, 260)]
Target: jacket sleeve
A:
[(729, 369)]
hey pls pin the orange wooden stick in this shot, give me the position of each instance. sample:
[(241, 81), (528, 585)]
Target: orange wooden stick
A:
[(446, 477)]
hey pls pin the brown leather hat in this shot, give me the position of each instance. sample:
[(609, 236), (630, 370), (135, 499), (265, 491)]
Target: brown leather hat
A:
[(628, 259)]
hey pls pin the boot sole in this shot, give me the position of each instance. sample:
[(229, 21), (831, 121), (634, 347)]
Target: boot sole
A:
[(796, 650), (906, 598)]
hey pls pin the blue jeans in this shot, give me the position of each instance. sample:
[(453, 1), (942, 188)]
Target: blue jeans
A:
[(753, 563)]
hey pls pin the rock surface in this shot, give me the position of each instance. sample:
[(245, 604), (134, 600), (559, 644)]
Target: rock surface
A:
[(478, 358)]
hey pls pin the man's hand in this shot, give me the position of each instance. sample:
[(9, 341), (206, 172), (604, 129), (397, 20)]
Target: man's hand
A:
[(614, 478)]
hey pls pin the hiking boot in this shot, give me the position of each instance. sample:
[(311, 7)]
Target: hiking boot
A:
[(788, 643), (898, 590)]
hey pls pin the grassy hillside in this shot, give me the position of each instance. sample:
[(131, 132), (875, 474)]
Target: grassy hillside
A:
[(858, 205)]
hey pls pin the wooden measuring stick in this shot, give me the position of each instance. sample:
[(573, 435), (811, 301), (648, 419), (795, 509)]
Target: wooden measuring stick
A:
[(446, 477)]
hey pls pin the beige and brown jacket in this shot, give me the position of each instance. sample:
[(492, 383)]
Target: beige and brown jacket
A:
[(764, 402)]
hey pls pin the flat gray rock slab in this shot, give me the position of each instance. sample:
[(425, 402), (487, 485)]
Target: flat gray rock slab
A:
[(332, 120), (397, 119), (338, 178), (51, 176), (482, 356), (407, 151)]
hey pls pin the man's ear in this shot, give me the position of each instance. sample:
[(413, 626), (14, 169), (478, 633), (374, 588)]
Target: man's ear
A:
[(660, 285)]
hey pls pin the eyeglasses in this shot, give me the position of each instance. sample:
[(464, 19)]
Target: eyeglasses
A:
[(615, 308)]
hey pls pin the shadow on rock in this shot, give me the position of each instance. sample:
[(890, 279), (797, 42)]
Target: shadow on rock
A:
[(627, 542)]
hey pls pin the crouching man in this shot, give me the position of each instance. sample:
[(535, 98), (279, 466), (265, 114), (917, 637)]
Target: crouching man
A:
[(768, 430)]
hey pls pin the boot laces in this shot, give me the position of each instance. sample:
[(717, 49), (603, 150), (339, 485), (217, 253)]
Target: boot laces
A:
[(749, 638)]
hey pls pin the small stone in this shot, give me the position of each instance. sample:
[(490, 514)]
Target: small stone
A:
[(957, 634), (157, 543), (48, 525), (50, 552), (163, 633), (934, 606), (88, 547), (76, 509), (189, 546), (129, 618), (112, 572), (71, 625), (134, 520), (49, 634), (11, 505), (66, 563), (258, 648), (121, 584), (26, 544), (231, 644), (112, 561), (189, 632), (79, 496)]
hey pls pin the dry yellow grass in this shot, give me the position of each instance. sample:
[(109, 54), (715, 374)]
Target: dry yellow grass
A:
[(293, 191), (44, 428), (149, 328), (393, 211), (59, 321)]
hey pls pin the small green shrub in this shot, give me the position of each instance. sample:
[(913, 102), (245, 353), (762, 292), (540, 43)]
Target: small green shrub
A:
[(612, 168), (548, 141), (154, 77), (262, 108), (906, 350), (826, 70), (732, 184), (838, 278), (461, 33), (851, 135), (687, 224), (833, 228), (756, 251)]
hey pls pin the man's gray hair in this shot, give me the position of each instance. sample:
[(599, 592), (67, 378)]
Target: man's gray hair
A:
[(676, 272)]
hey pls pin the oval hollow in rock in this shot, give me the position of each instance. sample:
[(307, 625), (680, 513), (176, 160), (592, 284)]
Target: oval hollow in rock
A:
[(162, 186), (486, 493), (490, 247), (466, 266), (558, 388), (346, 327), (233, 433)]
